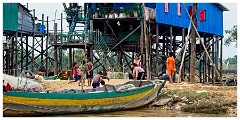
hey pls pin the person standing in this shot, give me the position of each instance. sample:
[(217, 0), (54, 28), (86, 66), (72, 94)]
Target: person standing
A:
[(89, 72), (170, 64)]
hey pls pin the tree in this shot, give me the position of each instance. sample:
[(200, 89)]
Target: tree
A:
[(232, 36), (231, 60)]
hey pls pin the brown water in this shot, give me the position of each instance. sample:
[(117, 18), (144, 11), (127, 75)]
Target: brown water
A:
[(146, 112)]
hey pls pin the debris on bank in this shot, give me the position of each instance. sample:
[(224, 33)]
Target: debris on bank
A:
[(200, 101)]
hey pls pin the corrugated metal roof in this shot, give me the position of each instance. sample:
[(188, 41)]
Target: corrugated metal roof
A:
[(222, 7)]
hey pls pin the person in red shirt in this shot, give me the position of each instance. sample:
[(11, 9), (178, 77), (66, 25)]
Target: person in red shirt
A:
[(76, 76), (170, 67)]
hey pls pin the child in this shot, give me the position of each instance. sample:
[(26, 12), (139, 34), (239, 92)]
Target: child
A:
[(81, 72), (76, 75), (170, 67), (89, 74), (97, 79), (137, 61), (138, 72)]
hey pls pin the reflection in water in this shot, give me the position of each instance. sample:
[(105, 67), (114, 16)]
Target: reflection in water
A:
[(146, 112)]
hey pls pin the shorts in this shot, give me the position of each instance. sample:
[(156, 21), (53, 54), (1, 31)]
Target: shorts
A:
[(170, 72), (141, 76), (95, 85), (77, 77), (89, 76)]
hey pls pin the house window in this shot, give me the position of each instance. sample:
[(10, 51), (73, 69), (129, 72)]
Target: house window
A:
[(178, 9), (166, 7), (190, 11), (202, 15)]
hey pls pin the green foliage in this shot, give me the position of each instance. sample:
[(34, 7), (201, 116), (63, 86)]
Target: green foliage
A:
[(232, 36), (79, 55), (231, 60)]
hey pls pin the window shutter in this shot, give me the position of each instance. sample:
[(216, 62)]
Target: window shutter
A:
[(202, 15), (166, 7), (178, 9)]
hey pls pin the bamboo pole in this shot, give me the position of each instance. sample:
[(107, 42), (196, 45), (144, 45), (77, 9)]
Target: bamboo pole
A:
[(146, 45)]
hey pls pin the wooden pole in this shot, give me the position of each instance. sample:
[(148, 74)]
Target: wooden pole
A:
[(55, 52), (193, 44), (42, 42), (16, 57), (21, 52), (33, 62), (213, 56), (26, 53), (171, 39), (221, 56), (141, 37), (204, 64), (146, 45), (200, 66), (183, 56), (157, 44), (70, 59), (46, 57)]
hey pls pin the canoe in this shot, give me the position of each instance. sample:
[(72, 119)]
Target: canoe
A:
[(130, 95)]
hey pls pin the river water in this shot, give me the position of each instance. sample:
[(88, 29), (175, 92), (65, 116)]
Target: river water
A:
[(146, 112)]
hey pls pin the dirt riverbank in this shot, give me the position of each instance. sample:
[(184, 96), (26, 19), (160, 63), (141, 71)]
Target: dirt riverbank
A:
[(198, 98)]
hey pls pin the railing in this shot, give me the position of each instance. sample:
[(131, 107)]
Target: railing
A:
[(104, 53), (66, 38)]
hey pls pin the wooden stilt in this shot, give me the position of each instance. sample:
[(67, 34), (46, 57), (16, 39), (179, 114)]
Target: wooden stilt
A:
[(157, 51)]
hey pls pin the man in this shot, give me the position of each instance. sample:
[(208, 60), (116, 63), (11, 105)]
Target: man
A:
[(138, 72), (170, 66), (97, 79), (89, 72)]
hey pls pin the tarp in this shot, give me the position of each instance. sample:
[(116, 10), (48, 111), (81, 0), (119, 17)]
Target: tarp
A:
[(22, 83)]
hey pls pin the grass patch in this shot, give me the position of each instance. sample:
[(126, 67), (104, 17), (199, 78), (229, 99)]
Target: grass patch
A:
[(189, 96), (209, 106)]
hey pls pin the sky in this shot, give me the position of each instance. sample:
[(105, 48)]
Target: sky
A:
[(49, 9)]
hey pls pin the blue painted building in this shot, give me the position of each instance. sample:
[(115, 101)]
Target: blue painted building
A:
[(209, 18)]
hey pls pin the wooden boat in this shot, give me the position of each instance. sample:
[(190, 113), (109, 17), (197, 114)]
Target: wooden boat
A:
[(132, 94)]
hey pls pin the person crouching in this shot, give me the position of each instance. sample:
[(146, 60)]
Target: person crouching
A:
[(97, 79), (138, 72)]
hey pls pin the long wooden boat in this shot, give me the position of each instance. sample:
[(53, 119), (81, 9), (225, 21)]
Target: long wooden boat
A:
[(132, 94)]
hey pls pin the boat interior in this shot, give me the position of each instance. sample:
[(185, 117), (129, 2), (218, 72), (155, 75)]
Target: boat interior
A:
[(110, 88)]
